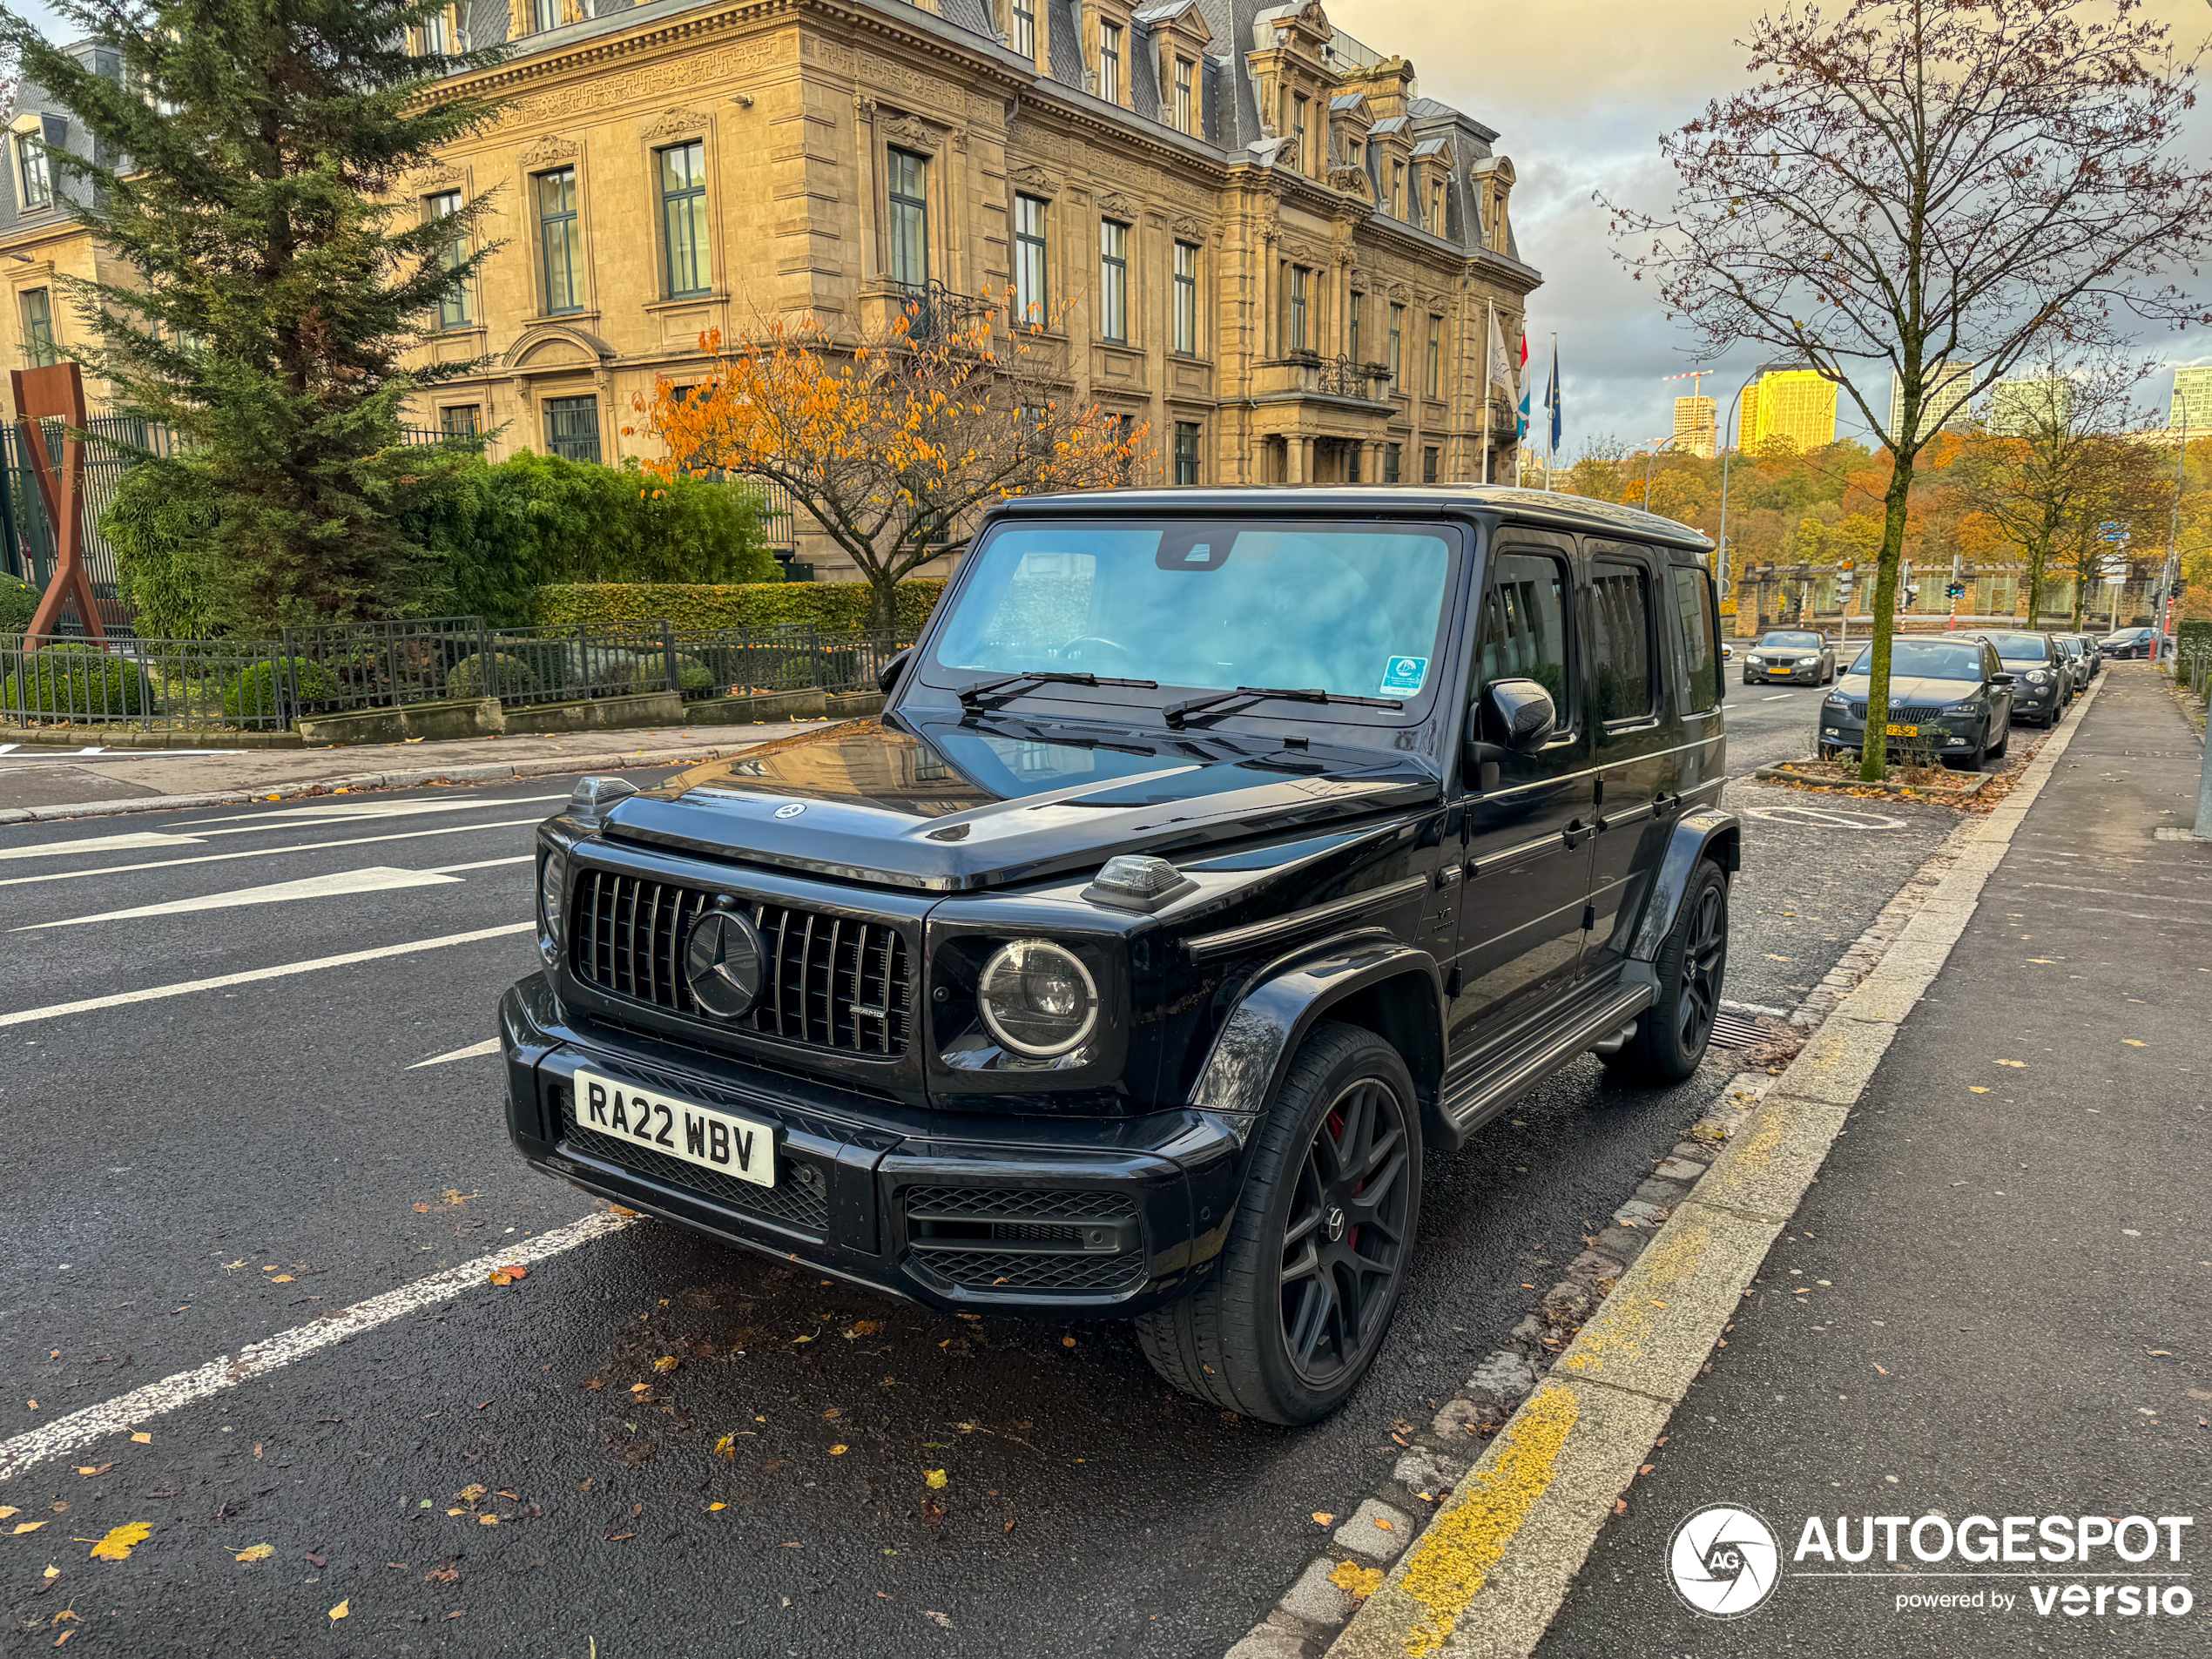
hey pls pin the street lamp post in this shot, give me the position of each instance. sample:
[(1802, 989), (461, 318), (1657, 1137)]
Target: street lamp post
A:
[(1727, 454), (1651, 455)]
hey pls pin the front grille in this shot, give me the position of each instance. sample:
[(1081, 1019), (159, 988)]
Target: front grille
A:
[(830, 982), (1016, 1203), (1899, 716), (982, 1270), (799, 1198)]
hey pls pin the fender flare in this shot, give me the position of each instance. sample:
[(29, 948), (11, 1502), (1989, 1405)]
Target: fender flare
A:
[(1707, 832), (1258, 1041)]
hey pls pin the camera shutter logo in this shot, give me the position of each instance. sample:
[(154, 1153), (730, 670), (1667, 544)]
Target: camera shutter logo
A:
[(1723, 1561), (723, 961)]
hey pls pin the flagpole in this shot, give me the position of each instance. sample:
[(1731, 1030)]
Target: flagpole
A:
[(1489, 367), (1551, 418)]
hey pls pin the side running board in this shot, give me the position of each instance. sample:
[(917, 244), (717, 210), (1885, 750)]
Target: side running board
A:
[(1471, 1101)]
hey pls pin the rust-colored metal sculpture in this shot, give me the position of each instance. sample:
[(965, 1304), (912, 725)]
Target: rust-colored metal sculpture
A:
[(58, 392)]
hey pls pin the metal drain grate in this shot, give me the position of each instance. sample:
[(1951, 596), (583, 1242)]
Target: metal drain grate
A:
[(1734, 1031)]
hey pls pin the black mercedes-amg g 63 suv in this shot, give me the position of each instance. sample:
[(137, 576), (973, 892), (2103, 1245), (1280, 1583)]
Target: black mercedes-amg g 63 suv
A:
[(1216, 852)]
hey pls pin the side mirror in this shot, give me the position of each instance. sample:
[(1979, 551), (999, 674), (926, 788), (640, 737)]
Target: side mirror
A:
[(2000, 679), (1519, 714), (888, 676)]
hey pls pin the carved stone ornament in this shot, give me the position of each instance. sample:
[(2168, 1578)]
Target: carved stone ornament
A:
[(910, 134), (678, 124), (549, 148), (1028, 177), (1114, 204), (1190, 229), (433, 177)]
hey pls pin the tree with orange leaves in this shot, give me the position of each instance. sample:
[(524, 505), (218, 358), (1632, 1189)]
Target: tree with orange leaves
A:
[(895, 441)]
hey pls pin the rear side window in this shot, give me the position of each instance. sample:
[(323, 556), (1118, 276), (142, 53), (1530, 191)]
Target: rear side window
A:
[(1524, 626), (1620, 640), (1697, 674)]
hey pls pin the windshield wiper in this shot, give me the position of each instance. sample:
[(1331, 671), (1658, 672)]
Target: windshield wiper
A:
[(971, 696), (1175, 713)]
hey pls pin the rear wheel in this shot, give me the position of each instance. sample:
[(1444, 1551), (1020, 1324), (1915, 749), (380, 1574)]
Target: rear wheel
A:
[(2003, 741), (1671, 1037), (1317, 1253)]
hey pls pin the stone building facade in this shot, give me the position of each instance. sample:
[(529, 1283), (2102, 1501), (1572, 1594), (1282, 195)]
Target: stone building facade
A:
[(1245, 230)]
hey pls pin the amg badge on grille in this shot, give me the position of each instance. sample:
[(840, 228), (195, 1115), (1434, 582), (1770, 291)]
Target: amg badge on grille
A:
[(722, 963)]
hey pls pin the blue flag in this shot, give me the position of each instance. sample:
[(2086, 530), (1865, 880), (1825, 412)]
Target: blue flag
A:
[(1551, 398)]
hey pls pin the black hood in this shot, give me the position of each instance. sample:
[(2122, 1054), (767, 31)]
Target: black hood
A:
[(1911, 690), (989, 801)]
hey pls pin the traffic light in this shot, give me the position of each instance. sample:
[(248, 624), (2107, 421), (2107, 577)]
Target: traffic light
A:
[(1956, 590)]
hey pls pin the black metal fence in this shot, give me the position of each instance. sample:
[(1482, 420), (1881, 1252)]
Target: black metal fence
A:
[(267, 685)]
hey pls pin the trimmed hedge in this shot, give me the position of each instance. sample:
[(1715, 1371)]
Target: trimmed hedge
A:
[(18, 603), (467, 678), (75, 682), (832, 606), (2191, 637), (255, 694)]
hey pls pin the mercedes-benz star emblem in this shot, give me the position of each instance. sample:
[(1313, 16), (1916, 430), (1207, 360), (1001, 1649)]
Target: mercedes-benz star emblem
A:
[(722, 963), (1334, 1222), (790, 809)]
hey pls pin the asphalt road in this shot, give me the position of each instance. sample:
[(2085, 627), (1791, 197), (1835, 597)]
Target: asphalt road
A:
[(196, 1172)]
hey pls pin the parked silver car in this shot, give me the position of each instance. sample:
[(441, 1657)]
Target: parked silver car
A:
[(1791, 655)]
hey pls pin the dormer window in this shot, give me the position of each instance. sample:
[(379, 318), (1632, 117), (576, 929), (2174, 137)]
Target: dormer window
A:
[(1398, 190), (1110, 62), (544, 15), (1436, 207), (1297, 132), (1186, 103), (1025, 27), (36, 184)]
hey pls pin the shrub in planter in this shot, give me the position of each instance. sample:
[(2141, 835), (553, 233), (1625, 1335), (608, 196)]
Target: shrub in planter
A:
[(18, 603), (75, 683), (257, 693), (694, 678), (511, 676)]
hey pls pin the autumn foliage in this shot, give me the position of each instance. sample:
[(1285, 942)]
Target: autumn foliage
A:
[(894, 441)]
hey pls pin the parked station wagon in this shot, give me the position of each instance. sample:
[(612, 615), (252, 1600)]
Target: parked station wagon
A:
[(1216, 855)]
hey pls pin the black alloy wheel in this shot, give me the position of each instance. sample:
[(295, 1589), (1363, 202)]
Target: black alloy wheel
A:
[(1345, 1243), (1672, 1035)]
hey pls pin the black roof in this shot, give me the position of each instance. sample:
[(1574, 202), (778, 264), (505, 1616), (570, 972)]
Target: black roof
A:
[(1507, 501)]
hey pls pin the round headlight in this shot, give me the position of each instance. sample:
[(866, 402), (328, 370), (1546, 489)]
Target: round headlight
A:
[(1036, 998), (551, 872)]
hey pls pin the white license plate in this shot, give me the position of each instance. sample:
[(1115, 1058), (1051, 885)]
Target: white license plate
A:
[(677, 1128)]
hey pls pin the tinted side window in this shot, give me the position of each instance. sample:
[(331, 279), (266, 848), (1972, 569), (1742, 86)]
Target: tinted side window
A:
[(1524, 626), (1620, 640), (1697, 674)]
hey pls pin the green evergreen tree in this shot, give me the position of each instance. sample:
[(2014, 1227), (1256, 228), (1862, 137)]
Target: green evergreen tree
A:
[(248, 161)]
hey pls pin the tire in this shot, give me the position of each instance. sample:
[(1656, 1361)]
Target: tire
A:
[(1251, 1340), (1970, 762), (2003, 743), (1672, 1034)]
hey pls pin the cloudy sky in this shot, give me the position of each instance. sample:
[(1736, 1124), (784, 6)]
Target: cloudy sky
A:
[(1579, 91)]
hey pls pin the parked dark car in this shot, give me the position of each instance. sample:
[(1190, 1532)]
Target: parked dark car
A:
[(2043, 685), (2073, 657), (1217, 855), (1787, 654), (2126, 644), (2091, 652), (1950, 697)]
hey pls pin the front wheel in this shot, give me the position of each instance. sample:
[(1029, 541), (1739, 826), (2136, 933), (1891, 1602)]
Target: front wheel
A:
[(1305, 1287), (2004, 734), (1671, 1037)]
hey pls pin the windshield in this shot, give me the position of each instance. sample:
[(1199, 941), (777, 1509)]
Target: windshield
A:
[(1931, 659), (2021, 648), (1355, 610), (1794, 642)]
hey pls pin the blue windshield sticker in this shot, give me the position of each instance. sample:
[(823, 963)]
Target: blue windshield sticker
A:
[(1403, 676)]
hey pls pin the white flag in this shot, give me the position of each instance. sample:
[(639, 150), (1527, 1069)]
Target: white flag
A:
[(1501, 365)]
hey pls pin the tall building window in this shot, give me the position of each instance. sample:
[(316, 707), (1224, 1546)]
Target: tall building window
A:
[(1110, 62), (560, 241), (1396, 343), (1186, 298), (1113, 281), (452, 304), (909, 204), (1297, 132), (1398, 190), (1436, 207), (544, 15), (1186, 452), (460, 420), (572, 428), (30, 170), (435, 42), (1352, 325), (1186, 103), (1428, 465), (1032, 288), (38, 328), (1390, 463), (1300, 278), (1435, 378), (1025, 27), (683, 212)]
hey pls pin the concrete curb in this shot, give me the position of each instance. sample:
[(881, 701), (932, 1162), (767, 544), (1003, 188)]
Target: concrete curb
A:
[(1970, 784), (1636, 1321), (493, 772)]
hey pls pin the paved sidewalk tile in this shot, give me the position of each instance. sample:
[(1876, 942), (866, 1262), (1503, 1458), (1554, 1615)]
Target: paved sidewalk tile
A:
[(1996, 1300)]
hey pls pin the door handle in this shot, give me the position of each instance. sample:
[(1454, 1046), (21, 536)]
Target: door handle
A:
[(1448, 877), (1577, 833)]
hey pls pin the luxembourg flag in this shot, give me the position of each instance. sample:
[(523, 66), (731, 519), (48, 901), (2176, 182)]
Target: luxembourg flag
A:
[(1521, 430)]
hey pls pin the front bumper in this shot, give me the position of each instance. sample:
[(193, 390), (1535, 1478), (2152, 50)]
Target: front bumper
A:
[(2035, 700), (1802, 673), (963, 1211), (1949, 734)]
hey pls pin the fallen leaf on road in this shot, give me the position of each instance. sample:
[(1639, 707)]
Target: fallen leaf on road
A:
[(7, 1509), (89, 1469), (617, 1537), (281, 1278), (488, 1521), (717, 1506), (470, 1495), (1885, 1370), (1620, 1506), (937, 1618), (341, 1610), (1357, 1581), (1067, 1342), (509, 1274), (444, 1573), (839, 1451), (142, 1438), (863, 1328), (934, 1478), (2163, 1353), (1976, 1088), (28, 1526), (120, 1541), (2017, 1065), (666, 1364), (1323, 1517), (2132, 1043), (1385, 1525), (256, 1552), (314, 1560), (726, 1448)]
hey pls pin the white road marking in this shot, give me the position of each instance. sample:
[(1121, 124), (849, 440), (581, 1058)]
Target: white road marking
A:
[(1779, 696), (490, 1045), (266, 852), (366, 807), (95, 1423), (255, 976), (71, 757), (482, 864), (128, 843), (8, 748), (1826, 818), (374, 879)]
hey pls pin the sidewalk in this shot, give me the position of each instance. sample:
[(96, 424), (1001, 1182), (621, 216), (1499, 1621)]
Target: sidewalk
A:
[(42, 779), (1995, 1301)]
